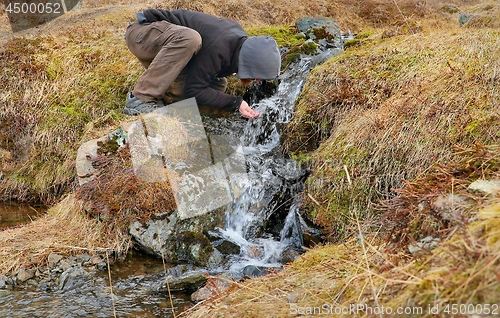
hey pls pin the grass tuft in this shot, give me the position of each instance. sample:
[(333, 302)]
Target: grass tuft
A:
[(65, 230)]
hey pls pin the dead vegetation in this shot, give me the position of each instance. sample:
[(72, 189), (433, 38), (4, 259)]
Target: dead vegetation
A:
[(65, 229), (118, 198), (389, 111), (409, 112), (439, 203)]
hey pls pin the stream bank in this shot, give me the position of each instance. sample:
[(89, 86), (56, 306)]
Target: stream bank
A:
[(261, 231)]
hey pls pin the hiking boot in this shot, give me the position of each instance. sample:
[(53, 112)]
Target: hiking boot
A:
[(135, 106)]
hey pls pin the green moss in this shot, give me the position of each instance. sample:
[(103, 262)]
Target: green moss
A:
[(302, 159), (359, 39), (26, 46), (285, 36), (291, 58), (309, 48), (54, 69), (364, 34), (293, 54)]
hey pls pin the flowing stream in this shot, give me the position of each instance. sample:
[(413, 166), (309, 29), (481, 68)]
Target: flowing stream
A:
[(264, 222)]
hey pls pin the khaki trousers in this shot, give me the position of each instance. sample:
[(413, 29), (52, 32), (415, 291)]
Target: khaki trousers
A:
[(164, 49)]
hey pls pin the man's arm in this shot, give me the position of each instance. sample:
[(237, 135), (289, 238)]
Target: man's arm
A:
[(200, 73)]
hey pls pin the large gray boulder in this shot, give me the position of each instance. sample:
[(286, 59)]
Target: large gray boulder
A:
[(322, 30), (179, 240)]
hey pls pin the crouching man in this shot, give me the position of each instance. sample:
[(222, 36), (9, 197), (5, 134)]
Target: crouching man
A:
[(188, 54)]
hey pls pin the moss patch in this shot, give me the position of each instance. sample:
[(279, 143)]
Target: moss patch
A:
[(285, 36)]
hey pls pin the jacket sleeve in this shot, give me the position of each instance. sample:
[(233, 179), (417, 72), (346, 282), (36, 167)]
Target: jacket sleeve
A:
[(202, 72)]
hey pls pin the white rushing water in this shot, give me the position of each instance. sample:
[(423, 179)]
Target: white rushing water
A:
[(261, 142)]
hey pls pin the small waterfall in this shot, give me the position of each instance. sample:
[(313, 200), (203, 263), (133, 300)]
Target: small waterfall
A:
[(264, 221)]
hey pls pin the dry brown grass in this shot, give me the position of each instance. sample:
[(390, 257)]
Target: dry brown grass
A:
[(389, 111), (413, 214), (65, 229), (406, 116), (462, 271), (314, 279), (58, 89), (385, 111), (55, 81)]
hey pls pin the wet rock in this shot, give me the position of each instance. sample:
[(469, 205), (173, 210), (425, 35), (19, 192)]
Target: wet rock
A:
[(288, 255), (188, 281), (291, 233), (424, 245), (152, 235), (53, 259), (9, 281), (82, 258), (64, 265), (179, 270), (71, 260), (32, 283), (3, 281), (194, 247), (43, 287), (463, 18), (102, 266), (258, 91), (213, 287), (485, 187), (178, 240), (216, 260), (94, 260), (72, 278), (288, 169), (311, 236), (25, 274), (227, 247), (255, 271)]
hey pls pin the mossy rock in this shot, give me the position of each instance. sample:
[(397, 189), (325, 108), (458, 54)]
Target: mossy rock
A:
[(321, 29), (293, 54), (193, 247)]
